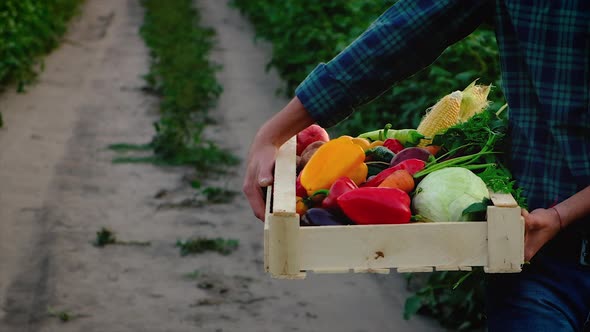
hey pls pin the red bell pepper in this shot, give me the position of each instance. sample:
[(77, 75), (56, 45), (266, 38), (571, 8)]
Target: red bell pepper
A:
[(299, 188), (339, 187), (366, 206), (394, 145), (410, 165)]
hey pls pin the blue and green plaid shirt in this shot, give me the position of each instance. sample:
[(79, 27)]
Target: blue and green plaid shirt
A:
[(545, 57)]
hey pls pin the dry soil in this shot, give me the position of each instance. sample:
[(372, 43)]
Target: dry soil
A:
[(59, 187)]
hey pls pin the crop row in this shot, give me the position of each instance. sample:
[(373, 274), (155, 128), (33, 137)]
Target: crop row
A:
[(28, 29)]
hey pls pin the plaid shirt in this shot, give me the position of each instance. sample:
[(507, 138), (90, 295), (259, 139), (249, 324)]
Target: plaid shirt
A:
[(545, 58)]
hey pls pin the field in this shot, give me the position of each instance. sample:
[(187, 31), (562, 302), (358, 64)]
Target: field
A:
[(99, 232)]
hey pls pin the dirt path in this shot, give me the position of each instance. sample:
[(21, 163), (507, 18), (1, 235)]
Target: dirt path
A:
[(59, 186)]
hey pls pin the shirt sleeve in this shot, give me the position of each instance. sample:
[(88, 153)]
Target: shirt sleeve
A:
[(409, 36)]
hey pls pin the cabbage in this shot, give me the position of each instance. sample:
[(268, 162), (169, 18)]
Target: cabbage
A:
[(443, 195)]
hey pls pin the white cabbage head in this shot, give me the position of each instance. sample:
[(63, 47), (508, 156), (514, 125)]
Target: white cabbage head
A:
[(443, 195)]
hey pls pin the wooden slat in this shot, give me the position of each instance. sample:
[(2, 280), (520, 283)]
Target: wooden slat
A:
[(417, 269), (446, 268), (284, 181), (393, 246), (283, 246), (503, 200), (266, 226), (377, 271), (333, 271), (505, 240)]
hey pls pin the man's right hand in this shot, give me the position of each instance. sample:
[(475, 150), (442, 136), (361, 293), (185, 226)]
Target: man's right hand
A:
[(259, 174), (263, 151)]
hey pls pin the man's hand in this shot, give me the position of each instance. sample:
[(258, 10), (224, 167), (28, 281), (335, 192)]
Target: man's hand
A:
[(541, 225), (259, 174), (263, 152)]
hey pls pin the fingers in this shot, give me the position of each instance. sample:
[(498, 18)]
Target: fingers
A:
[(540, 228), (259, 175), (265, 175), (530, 236), (255, 197), (253, 191)]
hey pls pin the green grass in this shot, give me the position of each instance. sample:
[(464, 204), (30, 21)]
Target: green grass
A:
[(202, 244), (63, 315), (105, 237), (122, 147)]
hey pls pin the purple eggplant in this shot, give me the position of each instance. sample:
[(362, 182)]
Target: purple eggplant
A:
[(323, 217), (411, 153)]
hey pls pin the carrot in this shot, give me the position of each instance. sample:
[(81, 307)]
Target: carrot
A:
[(433, 149), (401, 179)]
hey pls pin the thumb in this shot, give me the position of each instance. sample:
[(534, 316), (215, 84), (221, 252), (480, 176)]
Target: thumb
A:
[(265, 175)]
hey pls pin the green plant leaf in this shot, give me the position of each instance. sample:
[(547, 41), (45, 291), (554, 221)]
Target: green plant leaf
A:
[(412, 305)]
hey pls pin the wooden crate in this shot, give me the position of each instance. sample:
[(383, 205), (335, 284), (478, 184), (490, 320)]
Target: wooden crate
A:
[(290, 250)]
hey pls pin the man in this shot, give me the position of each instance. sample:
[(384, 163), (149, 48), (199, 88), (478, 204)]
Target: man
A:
[(545, 57)]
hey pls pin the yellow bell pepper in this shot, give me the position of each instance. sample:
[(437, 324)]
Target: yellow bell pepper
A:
[(363, 142), (359, 175), (375, 144), (334, 159)]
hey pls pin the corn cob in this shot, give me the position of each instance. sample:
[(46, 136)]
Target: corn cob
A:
[(475, 100), (444, 114)]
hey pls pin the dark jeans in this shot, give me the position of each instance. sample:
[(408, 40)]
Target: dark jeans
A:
[(551, 294)]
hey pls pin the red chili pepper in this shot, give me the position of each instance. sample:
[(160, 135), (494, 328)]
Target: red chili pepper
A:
[(394, 145), (339, 187), (366, 206), (410, 165)]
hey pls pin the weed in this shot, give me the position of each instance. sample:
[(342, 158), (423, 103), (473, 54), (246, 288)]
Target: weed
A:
[(196, 274), (106, 236), (200, 245), (139, 160), (63, 315), (129, 147), (209, 195), (218, 195)]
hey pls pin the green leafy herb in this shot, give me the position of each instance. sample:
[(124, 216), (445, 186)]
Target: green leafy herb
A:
[(474, 134), (478, 144)]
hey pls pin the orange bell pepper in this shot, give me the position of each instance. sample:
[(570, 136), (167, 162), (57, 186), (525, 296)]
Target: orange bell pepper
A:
[(336, 158)]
